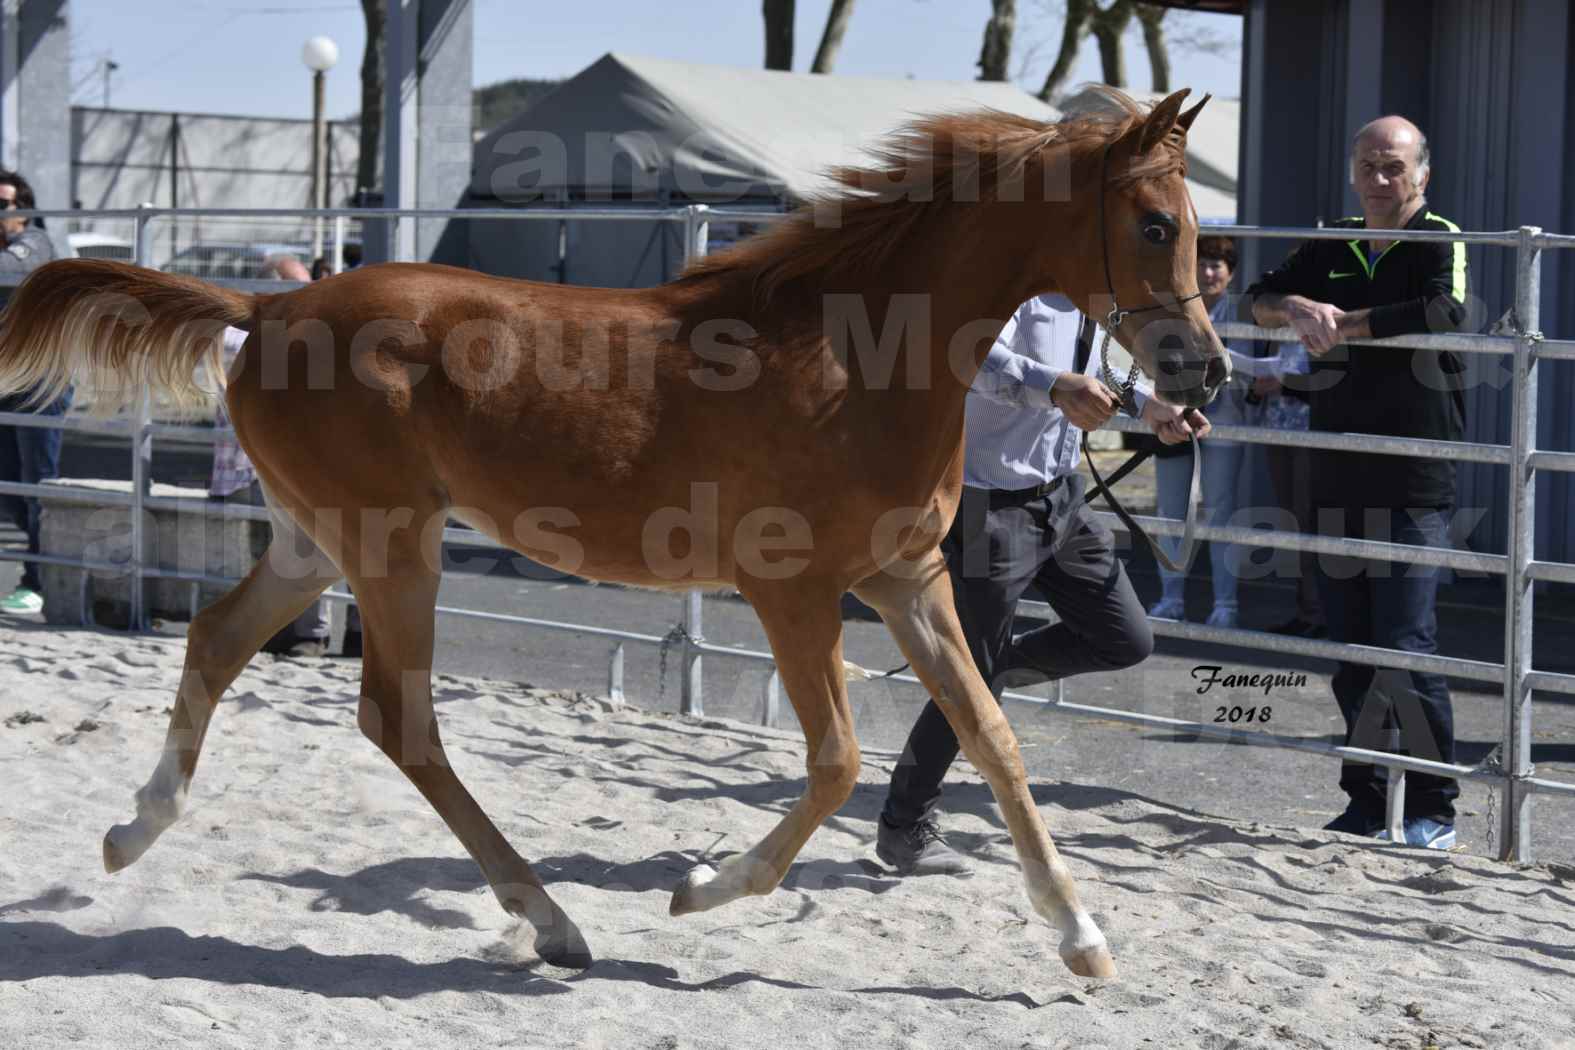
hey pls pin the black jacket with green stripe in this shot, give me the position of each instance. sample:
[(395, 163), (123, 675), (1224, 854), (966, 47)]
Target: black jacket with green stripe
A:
[(1410, 288)]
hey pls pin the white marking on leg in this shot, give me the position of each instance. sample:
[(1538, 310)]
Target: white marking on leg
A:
[(159, 804), (1079, 933)]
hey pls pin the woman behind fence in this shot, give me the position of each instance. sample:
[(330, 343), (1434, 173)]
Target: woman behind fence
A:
[(1221, 467)]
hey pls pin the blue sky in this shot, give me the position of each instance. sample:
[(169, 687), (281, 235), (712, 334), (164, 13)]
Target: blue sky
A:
[(227, 56)]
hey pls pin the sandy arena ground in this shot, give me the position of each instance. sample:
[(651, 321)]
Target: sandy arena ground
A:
[(311, 898)]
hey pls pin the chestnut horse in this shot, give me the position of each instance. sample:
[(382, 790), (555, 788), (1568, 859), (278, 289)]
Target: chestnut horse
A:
[(751, 395)]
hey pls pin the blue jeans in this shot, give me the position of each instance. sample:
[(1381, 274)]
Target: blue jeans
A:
[(1221, 467), (1391, 605), (29, 455)]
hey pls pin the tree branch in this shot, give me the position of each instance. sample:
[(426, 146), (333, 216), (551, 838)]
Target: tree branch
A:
[(1073, 33), (1109, 25), (779, 33), (996, 53), (831, 39), (1150, 16)]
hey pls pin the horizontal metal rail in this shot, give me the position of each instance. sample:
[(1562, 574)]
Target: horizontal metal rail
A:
[(1556, 350), (1419, 448), (1505, 239), (1551, 571), (1459, 342), (528, 621)]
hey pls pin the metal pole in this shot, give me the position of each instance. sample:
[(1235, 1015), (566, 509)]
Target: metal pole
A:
[(773, 704), (141, 459), (337, 263), (319, 152), (696, 230), (1515, 816), (692, 701), (615, 675), (1394, 816)]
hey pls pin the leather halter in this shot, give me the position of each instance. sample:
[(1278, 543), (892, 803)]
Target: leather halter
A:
[(1117, 316), (1123, 390)]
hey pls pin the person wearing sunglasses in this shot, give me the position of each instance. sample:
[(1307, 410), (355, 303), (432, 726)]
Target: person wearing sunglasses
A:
[(27, 454)]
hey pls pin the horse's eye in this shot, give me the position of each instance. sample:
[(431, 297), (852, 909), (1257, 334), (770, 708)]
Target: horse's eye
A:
[(1156, 233)]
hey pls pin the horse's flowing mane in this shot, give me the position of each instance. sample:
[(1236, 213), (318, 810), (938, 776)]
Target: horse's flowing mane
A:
[(925, 166)]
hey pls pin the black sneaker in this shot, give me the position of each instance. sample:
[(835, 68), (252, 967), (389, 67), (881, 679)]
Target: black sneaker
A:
[(918, 849), (1356, 821)]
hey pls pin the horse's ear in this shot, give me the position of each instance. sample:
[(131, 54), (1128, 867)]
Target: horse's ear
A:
[(1184, 122), (1161, 120)]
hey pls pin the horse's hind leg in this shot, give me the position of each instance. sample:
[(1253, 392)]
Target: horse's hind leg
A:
[(397, 609), (223, 637), (920, 613), (804, 625)]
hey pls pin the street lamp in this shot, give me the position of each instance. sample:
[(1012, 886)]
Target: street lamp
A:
[(319, 54)]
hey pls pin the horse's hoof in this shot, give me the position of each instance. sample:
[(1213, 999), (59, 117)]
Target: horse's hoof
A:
[(1094, 962), (687, 897), (562, 944), (119, 848)]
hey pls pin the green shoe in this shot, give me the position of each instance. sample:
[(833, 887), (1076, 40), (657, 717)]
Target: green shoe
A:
[(22, 600)]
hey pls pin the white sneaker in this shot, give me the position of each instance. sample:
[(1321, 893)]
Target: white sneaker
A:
[(22, 600), (1222, 616)]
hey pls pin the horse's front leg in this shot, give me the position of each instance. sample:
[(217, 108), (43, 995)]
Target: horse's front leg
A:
[(919, 611), (803, 621)]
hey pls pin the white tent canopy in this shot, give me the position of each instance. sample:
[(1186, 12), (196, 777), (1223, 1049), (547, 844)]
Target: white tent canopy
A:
[(639, 131), (641, 128)]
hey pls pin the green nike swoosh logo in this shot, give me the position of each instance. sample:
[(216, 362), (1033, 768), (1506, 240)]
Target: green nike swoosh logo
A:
[(1335, 276)]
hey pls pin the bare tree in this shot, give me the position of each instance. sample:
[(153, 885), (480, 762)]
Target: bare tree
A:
[(997, 50), (1150, 16), (1073, 33), (1162, 35), (831, 39), (371, 94), (779, 33), (1109, 25)]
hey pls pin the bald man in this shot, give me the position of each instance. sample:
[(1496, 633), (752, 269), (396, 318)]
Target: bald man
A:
[(1372, 287)]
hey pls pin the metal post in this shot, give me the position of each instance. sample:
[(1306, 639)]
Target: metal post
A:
[(696, 231), (337, 264), (773, 705), (615, 675), (692, 701), (141, 458), (319, 153), (1515, 816), (1394, 815)]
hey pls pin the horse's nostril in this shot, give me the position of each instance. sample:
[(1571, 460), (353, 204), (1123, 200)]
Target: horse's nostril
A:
[(1171, 365), (1214, 372)]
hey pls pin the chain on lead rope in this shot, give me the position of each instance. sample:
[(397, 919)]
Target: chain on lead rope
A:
[(678, 634), (1492, 762)]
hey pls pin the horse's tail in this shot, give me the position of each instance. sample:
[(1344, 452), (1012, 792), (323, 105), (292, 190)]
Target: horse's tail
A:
[(117, 330)]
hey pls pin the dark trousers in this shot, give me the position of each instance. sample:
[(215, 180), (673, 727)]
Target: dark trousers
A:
[(1290, 469), (1391, 605), (29, 455), (996, 549)]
